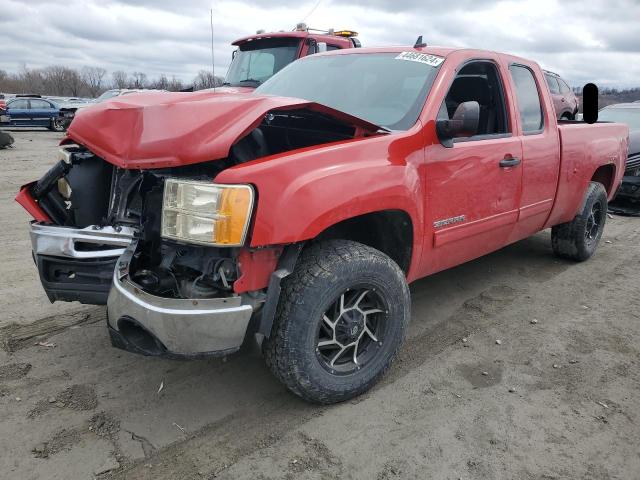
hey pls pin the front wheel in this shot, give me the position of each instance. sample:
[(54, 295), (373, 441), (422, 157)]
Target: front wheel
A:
[(341, 320), (577, 240)]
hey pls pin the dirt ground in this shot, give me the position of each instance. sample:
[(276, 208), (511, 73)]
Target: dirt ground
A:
[(546, 384)]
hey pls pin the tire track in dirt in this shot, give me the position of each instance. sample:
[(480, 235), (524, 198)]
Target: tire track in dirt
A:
[(244, 433), (14, 336)]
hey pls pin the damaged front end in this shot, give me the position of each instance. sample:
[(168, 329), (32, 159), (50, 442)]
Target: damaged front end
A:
[(157, 241), (99, 241)]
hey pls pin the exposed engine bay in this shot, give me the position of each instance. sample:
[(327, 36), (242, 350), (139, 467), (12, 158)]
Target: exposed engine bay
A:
[(82, 191)]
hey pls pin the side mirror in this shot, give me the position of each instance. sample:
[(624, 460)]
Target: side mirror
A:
[(463, 124), (322, 47)]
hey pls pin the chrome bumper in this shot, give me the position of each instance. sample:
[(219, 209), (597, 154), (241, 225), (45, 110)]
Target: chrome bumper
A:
[(185, 327), (90, 242), (91, 265), (77, 264), (151, 325)]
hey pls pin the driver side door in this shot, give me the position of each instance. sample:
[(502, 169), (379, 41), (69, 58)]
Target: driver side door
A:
[(474, 183)]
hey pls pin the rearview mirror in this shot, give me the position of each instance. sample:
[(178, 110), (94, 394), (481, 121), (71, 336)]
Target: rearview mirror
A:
[(322, 47), (463, 124)]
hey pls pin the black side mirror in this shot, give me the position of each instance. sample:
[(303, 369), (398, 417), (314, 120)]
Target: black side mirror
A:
[(463, 124)]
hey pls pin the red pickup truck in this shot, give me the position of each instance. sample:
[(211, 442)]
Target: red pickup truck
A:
[(299, 214)]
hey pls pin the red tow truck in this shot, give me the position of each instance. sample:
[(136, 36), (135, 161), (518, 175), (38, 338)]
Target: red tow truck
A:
[(299, 214), (260, 56)]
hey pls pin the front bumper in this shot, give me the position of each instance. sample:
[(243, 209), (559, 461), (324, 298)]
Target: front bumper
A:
[(91, 265), (151, 325), (76, 264)]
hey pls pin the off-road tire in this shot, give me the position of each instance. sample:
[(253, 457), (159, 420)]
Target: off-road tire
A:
[(324, 271), (570, 240)]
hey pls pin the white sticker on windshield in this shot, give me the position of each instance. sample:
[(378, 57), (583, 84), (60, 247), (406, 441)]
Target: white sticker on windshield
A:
[(432, 60)]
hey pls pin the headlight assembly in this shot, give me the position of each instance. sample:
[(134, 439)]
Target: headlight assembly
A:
[(206, 213)]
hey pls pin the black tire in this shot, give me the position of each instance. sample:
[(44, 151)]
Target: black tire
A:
[(56, 125), (577, 240), (325, 273)]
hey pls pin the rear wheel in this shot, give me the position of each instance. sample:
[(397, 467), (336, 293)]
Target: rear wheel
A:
[(56, 125), (578, 239), (341, 320)]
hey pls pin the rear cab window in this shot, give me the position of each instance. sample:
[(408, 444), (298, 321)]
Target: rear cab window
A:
[(528, 99)]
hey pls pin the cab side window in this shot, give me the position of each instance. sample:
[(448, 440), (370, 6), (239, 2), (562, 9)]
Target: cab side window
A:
[(528, 99), (479, 81)]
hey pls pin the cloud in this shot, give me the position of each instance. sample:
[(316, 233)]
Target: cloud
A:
[(583, 41)]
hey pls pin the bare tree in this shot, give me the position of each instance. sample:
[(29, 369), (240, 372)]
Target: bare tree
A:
[(175, 85), (54, 79), (139, 80), (206, 79), (75, 84), (162, 83), (119, 79), (93, 77), (32, 80)]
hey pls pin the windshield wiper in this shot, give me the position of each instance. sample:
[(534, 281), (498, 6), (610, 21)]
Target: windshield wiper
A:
[(252, 80)]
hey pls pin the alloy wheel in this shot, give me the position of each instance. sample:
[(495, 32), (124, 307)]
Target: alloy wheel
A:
[(351, 332)]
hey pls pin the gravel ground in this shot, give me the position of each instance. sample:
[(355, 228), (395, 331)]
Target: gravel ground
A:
[(555, 398)]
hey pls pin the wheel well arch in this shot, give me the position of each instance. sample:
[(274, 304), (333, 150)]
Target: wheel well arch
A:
[(390, 231), (605, 174)]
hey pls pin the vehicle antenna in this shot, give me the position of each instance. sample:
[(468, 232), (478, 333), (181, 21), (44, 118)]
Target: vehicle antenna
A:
[(419, 43), (311, 11), (213, 68)]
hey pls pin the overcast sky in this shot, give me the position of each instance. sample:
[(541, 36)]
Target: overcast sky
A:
[(583, 40)]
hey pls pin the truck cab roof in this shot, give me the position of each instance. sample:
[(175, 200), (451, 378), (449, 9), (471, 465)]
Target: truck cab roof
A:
[(338, 40)]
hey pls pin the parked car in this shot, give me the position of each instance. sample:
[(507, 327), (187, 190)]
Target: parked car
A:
[(628, 198), (301, 212), (565, 101), (3, 103), (23, 111)]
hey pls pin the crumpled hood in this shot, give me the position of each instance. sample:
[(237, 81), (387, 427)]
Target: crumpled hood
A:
[(158, 130)]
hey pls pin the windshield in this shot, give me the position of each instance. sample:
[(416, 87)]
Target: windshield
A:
[(107, 95), (630, 116), (387, 89), (258, 60)]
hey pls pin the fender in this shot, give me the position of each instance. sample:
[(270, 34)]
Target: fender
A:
[(302, 193)]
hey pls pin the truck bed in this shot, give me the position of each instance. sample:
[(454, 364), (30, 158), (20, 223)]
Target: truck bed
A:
[(583, 147)]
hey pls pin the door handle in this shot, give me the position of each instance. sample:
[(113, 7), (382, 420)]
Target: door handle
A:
[(509, 162)]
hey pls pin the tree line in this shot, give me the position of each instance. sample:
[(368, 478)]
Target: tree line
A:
[(62, 81)]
